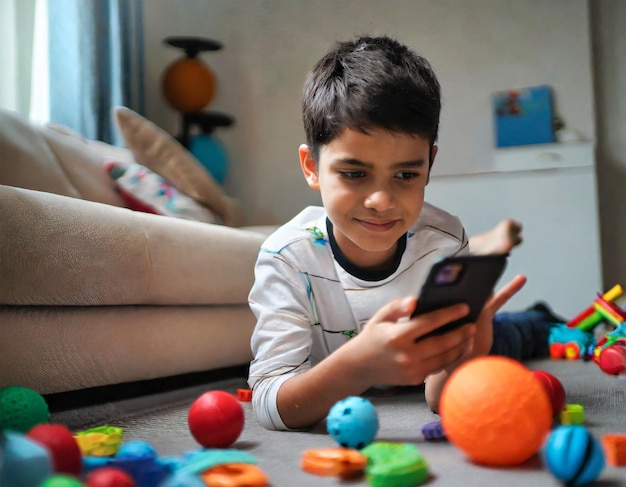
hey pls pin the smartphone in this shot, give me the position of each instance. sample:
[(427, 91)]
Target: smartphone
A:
[(468, 279)]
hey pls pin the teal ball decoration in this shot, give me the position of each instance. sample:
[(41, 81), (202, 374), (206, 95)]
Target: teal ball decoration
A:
[(353, 422), (212, 154), (573, 455)]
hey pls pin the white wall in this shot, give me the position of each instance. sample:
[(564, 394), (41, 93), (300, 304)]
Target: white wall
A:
[(476, 47)]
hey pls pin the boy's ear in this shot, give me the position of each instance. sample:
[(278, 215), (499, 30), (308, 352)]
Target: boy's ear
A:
[(307, 163), (433, 153)]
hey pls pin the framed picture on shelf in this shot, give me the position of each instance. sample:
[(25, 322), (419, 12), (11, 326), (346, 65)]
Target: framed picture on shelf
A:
[(524, 116)]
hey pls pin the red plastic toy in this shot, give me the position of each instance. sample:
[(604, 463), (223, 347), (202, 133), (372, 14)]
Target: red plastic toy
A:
[(554, 388), (61, 445), (108, 477), (216, 419)]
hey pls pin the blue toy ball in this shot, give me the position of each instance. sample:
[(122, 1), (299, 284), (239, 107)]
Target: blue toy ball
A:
[(573, 455), (211, 154), (353, 422), (137, 450)]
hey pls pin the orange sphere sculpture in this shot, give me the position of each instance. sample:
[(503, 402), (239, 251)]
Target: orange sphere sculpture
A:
[(188, 84), (496, 411)]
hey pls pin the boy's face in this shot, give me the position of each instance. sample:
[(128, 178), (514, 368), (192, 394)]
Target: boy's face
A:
[(372, 186)]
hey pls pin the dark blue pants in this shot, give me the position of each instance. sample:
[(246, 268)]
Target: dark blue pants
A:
[(522, 334)]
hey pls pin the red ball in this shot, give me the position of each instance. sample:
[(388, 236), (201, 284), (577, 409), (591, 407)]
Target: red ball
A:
[(216, 419), (59, 441), (109, 477), (554, 388)]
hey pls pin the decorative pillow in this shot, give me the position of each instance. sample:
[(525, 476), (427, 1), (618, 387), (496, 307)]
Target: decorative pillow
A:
[(144, 190), (159, 151)]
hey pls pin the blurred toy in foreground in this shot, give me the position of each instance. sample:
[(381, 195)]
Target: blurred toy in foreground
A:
[(496, 411), (573, 455), (577, 339)]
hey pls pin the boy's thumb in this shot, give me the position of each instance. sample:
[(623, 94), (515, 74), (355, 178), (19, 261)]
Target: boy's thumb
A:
[(396, 309)]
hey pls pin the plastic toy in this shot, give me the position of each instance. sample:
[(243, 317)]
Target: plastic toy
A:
[(433, 431), (394, 465), (554, 388), (21, 409), (23, 462), (196, 462), (572, 414), (109, 477), (352, 422), (590, 317), (610, 352), (102, 441), (216, 419), (137, 459), (573, 455), (61, 445), (244, 395), (346, 463), (570, 343), (615, 449), (62, 481), (235, 475), (496, 411), (183, 480)]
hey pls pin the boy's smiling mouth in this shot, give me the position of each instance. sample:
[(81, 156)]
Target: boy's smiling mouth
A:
[(378, 225)]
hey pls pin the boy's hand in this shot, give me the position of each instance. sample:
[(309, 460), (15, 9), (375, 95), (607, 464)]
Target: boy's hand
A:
[(388, 354), (387, 350), (484, 325)]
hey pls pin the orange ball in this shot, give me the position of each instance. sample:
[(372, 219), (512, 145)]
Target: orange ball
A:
[(496, 411), (188, 84)]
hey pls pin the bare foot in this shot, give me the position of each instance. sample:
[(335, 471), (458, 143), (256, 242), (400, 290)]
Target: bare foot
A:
[(499, 240)]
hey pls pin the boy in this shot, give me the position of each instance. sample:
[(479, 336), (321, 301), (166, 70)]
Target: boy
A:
[(335, 286)]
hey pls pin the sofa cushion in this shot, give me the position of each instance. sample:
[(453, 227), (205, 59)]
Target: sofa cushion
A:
[(36, 157), (144, 190), (67, 251), (162, 153)]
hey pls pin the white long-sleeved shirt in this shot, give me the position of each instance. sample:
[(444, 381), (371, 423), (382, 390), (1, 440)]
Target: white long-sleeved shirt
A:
[(309, 300)]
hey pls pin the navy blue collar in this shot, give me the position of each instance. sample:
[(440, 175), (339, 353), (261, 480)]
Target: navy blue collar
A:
[(358, 272)]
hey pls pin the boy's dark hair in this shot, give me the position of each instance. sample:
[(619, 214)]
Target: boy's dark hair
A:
[(370, 82)]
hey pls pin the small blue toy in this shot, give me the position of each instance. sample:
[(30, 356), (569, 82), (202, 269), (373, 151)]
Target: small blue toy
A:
[(573, 455), (353, 422), (183, 480), (433, 431), (23, 462)]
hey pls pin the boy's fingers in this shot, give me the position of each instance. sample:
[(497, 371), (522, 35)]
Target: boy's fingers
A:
[(421, 325), (507, 292)]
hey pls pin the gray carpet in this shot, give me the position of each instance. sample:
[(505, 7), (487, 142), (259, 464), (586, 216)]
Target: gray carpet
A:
[(161, 419)]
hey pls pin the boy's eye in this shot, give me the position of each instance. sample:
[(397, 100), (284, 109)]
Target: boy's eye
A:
[(352, 174), (407, 175)]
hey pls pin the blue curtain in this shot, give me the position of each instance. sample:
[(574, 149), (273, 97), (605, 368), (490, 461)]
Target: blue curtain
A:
[(96, 63)]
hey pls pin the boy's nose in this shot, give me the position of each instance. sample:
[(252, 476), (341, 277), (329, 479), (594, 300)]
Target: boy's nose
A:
[(380, 200)]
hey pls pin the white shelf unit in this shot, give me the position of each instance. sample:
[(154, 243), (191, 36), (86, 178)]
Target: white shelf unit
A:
[(544, 156), (555, 198)]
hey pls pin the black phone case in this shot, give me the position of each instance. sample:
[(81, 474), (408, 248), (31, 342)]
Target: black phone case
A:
[(473, 285)]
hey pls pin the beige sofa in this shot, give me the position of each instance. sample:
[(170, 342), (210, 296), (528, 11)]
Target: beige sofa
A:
[(92, 293)]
